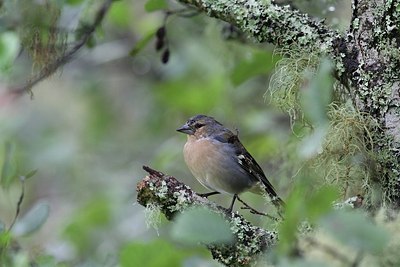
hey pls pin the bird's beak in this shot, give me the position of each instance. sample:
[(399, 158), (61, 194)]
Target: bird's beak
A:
[(185, 129)]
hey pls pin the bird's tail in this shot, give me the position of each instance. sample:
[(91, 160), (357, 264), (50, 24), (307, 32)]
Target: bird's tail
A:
[(275, 199), (279, 204)]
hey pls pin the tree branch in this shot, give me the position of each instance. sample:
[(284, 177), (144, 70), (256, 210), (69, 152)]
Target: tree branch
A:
[(266, 22), (174, 197)]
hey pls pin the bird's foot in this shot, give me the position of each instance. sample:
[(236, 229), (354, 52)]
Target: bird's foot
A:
[(206, 195)]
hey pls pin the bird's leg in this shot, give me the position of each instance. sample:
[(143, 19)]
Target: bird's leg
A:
[(233, 202), (209, 194)]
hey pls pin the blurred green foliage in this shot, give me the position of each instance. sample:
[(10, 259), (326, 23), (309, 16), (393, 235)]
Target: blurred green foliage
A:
[(355, 230), (304, 205), (32, 220), (120, 14), (154, 5), (199, 225), (83, 229), (90, 128), (154, 254), (316, 97), (9, 168), (9, 46), (259, 62)]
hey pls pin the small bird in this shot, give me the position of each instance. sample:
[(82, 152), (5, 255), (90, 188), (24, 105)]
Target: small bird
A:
[(219, 161)]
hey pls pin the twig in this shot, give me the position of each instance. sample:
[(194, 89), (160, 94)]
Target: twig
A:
[(152, 171), (65, 58), (19, 203)]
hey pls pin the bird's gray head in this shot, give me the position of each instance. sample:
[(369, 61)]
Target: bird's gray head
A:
[(199, 124)]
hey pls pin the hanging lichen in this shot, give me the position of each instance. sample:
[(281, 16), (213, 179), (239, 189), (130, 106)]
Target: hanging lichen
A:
[(346, 159), (40, 33), (288, 78)]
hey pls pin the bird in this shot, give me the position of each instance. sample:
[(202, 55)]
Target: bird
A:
[(218, 160)]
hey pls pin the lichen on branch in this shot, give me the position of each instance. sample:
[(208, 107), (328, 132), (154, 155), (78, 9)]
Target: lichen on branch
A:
[(172, 197), (267, 22)]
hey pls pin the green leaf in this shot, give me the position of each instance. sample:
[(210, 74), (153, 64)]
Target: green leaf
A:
[(73, 2), (30, 174), (9, 48), (154, 5), (82, 230), (294, 214), (155, 254), (91, 42), (320, 203), (120, 14), (142, 43), (316, 97), (5, 239), (9, 169), (201, 225), (32, 220), (355, 230), (260, 62), (304, 204)]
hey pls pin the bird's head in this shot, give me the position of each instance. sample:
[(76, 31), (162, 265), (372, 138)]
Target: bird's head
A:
[(200, 125)]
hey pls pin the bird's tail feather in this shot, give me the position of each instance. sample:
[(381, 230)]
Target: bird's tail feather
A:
[(275, 199)]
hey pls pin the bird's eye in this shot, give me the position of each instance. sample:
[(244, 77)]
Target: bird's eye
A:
[(198, 125)]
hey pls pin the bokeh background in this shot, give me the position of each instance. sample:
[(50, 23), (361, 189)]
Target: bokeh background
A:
[(89, 128)]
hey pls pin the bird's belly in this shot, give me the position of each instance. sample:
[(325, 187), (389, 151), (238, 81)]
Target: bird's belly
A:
[(216, 169)]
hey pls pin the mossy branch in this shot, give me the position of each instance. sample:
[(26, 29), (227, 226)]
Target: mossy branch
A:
[(267, 22), (174, 197)]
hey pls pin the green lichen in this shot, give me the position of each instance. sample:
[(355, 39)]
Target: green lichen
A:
[(266, 22), (182, 201), (388, 173), (152, 215), (162, 190), (288, 78), (39, 34), (347, 159), (248, 247)]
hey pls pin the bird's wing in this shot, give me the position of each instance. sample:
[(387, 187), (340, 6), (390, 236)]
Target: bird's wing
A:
[(249, 164)]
